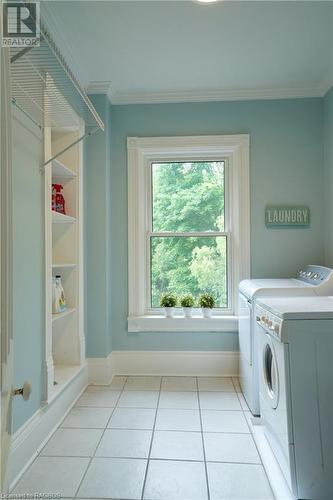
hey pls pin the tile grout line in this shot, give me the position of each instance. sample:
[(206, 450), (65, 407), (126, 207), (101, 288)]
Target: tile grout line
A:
[(251, 434), (99, 441), (39, 453), (151, 441), (202, 439)]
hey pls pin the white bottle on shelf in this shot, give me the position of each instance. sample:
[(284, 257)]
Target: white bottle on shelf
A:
[(58, 296)]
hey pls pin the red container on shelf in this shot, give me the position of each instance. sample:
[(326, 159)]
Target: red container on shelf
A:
[(58, 201)]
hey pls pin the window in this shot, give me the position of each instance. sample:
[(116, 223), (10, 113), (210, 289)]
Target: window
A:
[(187, 238), (188, 209)]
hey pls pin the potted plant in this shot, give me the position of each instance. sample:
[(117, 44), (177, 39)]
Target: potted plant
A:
[(206, 302), (168, 301), (187, 303)]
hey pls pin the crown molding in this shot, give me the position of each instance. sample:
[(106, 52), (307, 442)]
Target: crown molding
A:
[(99, 88), (327, 83), (216, 95)]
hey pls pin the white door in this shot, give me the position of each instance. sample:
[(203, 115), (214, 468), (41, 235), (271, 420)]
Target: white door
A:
[(270, 372), (6, 342)]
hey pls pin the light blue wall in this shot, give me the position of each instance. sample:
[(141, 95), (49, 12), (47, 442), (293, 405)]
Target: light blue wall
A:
[(28, 258), (97, 235), (286, 167), (328, 148)]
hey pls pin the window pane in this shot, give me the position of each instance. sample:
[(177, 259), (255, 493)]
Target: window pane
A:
[(189, 265), (188, 197)]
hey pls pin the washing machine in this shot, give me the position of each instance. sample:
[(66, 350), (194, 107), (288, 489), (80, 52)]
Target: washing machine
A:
[(311, 280), (295, 359)]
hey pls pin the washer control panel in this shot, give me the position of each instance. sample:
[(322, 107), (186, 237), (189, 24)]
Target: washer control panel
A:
[(314, 275), (269, 322)]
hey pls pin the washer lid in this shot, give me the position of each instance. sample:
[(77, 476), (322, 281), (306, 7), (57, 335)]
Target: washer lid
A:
[(256, 287), (311, 307)]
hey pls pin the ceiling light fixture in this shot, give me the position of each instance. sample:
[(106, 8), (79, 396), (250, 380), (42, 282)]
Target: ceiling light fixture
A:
[(207, 1)]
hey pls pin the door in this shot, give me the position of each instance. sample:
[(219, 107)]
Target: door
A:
[(6, 341), (270, 372)]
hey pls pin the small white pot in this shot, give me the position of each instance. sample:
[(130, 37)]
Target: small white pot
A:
[(169, 312), (187, 312), (206, 312)]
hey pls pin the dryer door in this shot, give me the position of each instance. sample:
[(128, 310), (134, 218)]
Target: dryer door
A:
[(270, 372)]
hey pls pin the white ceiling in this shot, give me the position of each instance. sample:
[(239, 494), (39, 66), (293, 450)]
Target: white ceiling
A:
[(158, 51)]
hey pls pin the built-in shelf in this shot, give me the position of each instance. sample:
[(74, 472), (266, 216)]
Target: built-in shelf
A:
[(58, 218), (64, 336), (63, 375), (60, 170), (63, 266), (56, 317)]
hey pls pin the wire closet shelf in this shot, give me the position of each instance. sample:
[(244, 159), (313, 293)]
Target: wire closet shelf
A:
[(45, 89)]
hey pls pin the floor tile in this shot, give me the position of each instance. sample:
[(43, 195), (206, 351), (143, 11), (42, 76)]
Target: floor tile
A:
[(138, 399), (118, 382), (83, 417), (177, 445), (177, 400), (243, 402), (73, 443), (215, 384), (53, 475), (237, 384), (251, 420), (172, 480), (132, 418), (224, 421), (179, 384), (143, 384), (178, 420), (114, 478), (238, 448), (99, 398), (238, 482), (214, 400), (121, 443)]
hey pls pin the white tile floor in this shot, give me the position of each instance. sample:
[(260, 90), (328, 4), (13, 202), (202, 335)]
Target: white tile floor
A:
[(154, 438)]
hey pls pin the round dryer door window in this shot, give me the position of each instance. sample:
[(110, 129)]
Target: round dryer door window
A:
[(271, 375)]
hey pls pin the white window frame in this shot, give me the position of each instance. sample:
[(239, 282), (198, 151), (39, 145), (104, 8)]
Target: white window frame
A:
[(142, 152)]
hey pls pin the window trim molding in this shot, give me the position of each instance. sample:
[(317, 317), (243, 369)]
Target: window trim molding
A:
[(141, 151)]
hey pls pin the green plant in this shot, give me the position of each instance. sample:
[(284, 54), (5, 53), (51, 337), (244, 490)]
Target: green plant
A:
[(206, 301), (168, 300), (187, 300)]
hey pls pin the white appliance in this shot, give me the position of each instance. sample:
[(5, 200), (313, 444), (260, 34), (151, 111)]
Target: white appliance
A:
[(312, 280), (295, 337)]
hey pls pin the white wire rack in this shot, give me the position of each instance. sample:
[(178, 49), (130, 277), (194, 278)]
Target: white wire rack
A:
[(45, 88)]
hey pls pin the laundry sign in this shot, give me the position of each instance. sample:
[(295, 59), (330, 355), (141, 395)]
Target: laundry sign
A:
[(281, 216)]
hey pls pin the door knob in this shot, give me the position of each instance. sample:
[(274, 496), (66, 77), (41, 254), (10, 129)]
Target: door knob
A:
[(24, 391)]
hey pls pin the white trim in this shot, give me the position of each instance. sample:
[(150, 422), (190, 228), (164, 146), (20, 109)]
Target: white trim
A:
[(182, 324), (327, 84), (143, 150), (30, 438), (99, 88), (100, 370), (189, 363), (217, 95)]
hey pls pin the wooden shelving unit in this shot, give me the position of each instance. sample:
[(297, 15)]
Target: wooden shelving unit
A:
[(64, 345)]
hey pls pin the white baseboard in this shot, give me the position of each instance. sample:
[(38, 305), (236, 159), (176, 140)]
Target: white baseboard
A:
[(100, 370), (204, 363), (29, 439)]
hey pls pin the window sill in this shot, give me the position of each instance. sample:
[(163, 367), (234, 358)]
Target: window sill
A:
[(181, 324)]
